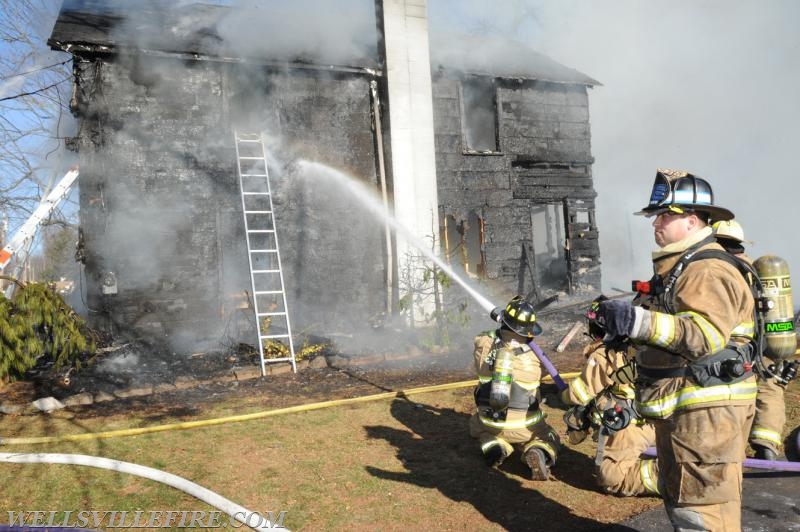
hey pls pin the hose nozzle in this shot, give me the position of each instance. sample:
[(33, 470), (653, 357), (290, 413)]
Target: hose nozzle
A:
[(495, 314)]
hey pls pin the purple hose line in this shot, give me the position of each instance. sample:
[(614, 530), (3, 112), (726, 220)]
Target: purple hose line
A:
[(776, 465), (551, 369)]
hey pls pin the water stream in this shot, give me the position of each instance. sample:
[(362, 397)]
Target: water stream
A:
[(370, 200)]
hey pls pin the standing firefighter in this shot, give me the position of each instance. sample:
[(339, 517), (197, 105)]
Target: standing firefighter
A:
[(694, 378), (604, 387), (507, 395), (766, 432)]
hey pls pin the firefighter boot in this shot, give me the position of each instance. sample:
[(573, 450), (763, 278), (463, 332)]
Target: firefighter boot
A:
[(495, 455), (764, 453), (537, 461)]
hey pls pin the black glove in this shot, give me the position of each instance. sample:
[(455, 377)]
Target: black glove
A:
[(616, 317)]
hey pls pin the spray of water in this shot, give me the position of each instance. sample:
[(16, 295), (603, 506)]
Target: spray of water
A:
[(377, 208), (370, 200)]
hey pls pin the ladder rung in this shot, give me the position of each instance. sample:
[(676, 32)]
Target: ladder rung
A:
[(248, 166)]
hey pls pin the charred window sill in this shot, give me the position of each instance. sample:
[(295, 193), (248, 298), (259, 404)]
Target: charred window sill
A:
[(487, 152)]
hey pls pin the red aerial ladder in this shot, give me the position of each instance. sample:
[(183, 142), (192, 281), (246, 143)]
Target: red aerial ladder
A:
[(27, 231)]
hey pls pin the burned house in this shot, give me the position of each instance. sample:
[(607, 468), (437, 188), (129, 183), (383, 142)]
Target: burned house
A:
[(492, 168)]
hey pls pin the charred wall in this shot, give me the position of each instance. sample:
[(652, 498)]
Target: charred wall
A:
[(160, 203), (528, 179)]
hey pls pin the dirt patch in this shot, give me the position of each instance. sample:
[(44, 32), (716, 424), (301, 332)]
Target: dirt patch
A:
[(146, 377)]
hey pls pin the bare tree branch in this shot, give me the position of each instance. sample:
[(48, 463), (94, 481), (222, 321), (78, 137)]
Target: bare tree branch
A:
[(37, 91), (32, 108)]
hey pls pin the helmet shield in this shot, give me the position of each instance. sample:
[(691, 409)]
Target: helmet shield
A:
[(679, 192), (519, 316)]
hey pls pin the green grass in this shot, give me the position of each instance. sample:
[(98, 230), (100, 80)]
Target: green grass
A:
[(382, 465)]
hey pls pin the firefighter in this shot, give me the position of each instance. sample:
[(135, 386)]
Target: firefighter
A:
[(507, 396), (694, 379), (606, 382), (765, 434)]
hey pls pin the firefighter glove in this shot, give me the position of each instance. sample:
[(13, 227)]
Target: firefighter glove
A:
[(616, 317)]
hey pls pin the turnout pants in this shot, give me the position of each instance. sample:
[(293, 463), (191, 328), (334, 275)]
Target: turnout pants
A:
[(700, 454), (538, 434), (622, 471), (770, 417)]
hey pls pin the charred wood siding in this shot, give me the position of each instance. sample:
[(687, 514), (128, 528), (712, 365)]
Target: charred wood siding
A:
[(543, 157), (160, 203)]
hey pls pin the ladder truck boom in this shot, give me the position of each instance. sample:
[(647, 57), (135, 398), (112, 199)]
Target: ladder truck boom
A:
[(28, 230)]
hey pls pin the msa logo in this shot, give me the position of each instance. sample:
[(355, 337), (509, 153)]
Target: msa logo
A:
[(778, 282), (782, 326)]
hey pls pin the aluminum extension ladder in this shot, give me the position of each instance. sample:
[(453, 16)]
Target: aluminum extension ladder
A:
[(266, 275)]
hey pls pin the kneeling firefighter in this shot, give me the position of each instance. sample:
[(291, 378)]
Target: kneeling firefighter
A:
[(603, 396), (780, 342), (507, 396)]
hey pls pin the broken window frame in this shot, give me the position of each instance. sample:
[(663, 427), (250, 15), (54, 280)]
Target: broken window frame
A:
[(556, 241), (463, 242), (465, 127)]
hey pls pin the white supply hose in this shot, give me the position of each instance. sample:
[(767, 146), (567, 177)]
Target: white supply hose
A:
[(235, 511)]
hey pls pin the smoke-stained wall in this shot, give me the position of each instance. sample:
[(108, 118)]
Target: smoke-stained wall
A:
[(160, 204), (541, 160), (163, 237)]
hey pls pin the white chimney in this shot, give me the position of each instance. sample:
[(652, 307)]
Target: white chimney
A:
[(408, 72)]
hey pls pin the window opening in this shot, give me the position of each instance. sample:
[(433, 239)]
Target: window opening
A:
[(463, 244), (479, 113), (550, 260)]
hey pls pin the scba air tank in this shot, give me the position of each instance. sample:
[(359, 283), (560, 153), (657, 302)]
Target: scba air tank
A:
[(781, 339), (500, 392)]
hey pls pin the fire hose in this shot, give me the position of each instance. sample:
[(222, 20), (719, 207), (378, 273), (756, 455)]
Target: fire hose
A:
[(755, 463), (242, 417), (239, 513)]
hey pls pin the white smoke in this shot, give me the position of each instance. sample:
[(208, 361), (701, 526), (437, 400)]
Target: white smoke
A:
[(709, 87)]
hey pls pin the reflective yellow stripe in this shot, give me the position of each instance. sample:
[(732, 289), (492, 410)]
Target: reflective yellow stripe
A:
[(623, 390), (579, 388), (546, 447), (527, 385), (647, 469), (696, 395), (746, 328), (521, 424), (761, 433), (488, 445), (663, 329), (714, 337), (484, 380)]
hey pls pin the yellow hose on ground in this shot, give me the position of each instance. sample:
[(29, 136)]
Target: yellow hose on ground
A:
[(247, 417)]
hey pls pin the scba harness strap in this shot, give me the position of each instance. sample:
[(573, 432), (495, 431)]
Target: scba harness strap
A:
[(735, 362)]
